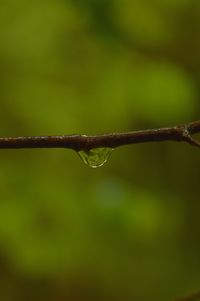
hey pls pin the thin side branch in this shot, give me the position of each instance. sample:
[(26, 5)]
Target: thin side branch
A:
[(180, 133)]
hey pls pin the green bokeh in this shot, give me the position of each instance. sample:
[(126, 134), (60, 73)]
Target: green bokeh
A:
[(130, 229)]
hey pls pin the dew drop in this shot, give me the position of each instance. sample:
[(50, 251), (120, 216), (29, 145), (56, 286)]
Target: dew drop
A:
[(95, 157)]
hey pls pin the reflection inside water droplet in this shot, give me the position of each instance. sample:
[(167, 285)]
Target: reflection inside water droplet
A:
[(95, 157)]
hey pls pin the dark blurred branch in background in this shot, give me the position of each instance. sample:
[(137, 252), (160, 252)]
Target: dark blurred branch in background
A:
[(193, 297), (180, 133)]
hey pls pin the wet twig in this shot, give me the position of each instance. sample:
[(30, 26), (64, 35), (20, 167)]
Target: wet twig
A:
[(180, 133)]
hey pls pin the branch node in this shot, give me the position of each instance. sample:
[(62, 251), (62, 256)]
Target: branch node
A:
[(188, 138)]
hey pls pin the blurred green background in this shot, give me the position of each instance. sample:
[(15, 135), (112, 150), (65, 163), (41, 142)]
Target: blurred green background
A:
[(131, 229)]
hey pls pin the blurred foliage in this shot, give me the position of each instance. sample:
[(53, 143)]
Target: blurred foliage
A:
[(129, 230)]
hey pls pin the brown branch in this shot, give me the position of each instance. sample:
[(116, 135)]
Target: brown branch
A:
[(181, 133)]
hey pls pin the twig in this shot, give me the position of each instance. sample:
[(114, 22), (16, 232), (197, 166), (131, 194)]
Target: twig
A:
[(180, 133)]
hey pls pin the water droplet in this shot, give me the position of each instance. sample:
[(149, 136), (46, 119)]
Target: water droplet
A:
[(95, 157)]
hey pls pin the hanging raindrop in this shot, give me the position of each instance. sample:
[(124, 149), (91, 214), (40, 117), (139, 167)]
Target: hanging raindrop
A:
[(95, 157)]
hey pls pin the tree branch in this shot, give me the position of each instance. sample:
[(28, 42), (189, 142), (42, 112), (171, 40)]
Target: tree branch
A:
[(180, 133)]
